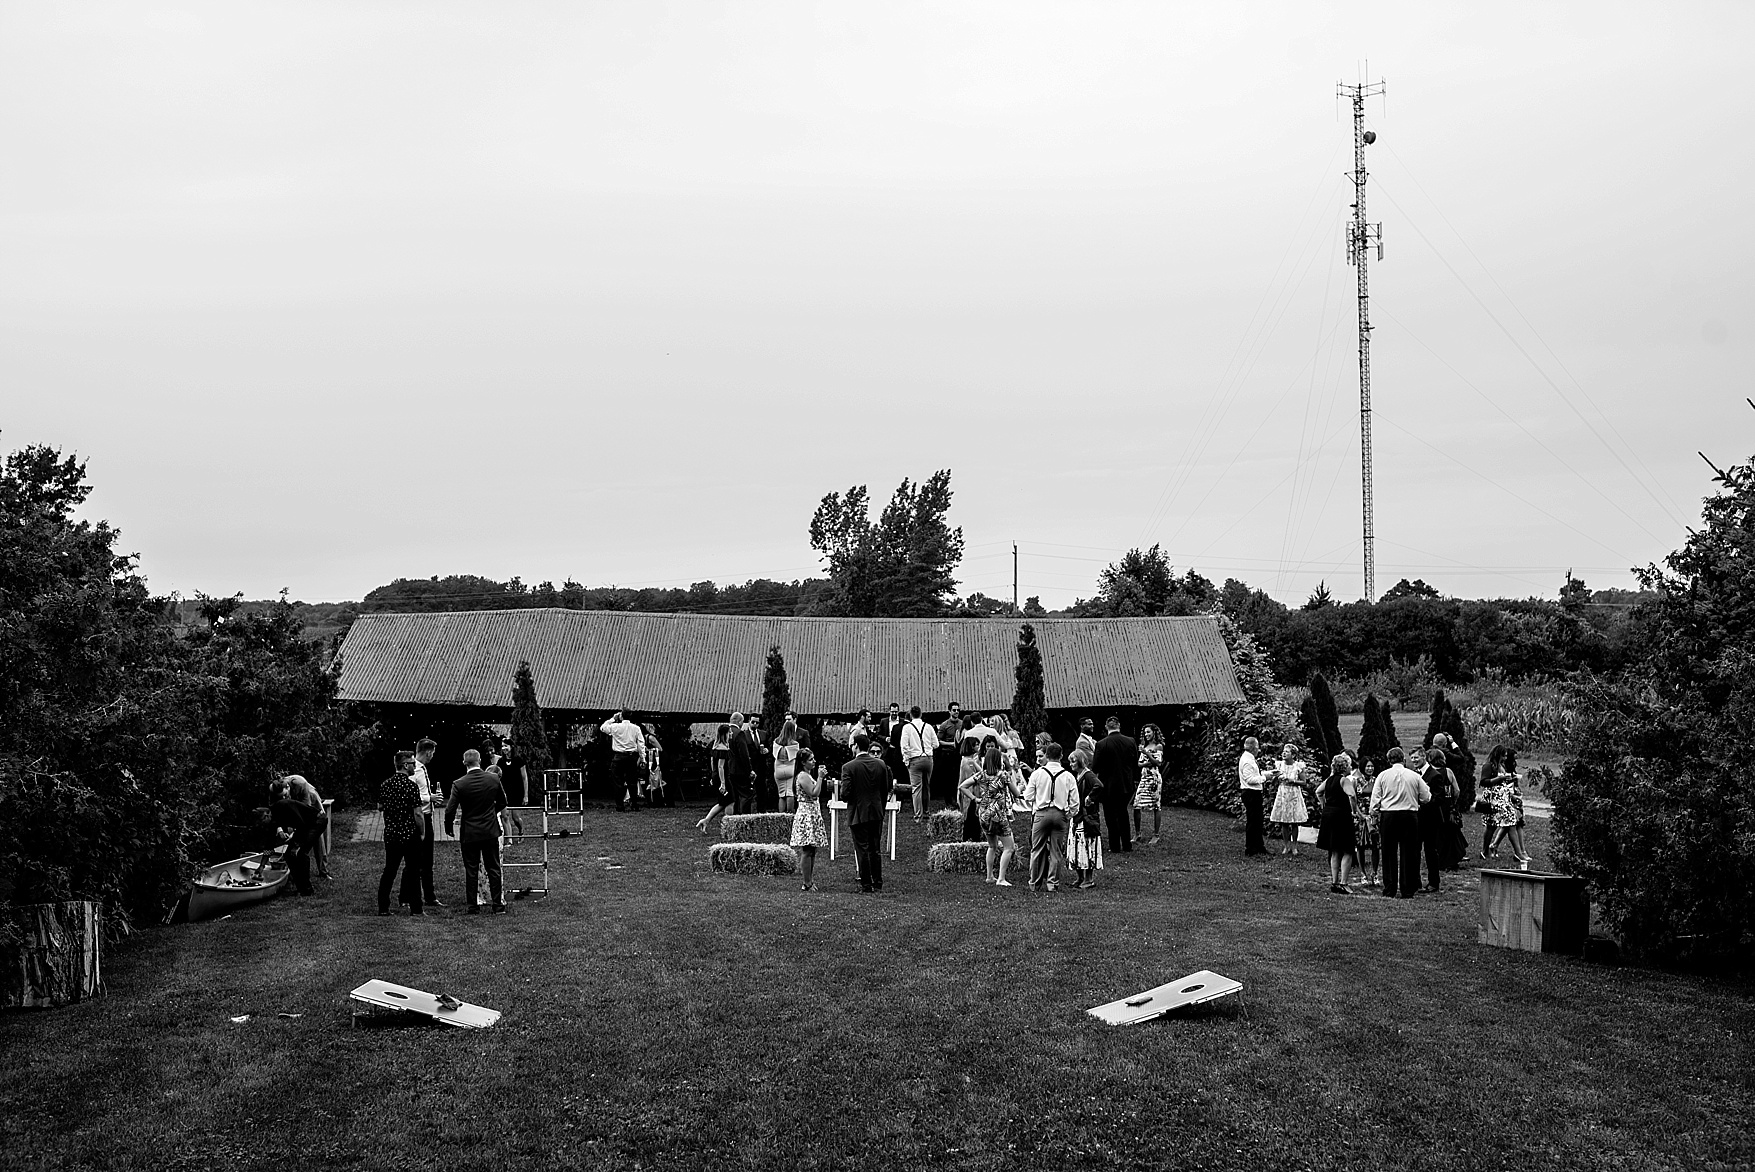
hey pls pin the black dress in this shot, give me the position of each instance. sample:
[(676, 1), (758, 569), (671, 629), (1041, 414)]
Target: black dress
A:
[(1336, 832)]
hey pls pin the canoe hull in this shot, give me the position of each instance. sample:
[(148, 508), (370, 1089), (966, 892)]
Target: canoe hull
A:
[(239, 883)]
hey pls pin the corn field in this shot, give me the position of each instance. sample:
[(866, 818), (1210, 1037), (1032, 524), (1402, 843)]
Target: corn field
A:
[(1526, 724)]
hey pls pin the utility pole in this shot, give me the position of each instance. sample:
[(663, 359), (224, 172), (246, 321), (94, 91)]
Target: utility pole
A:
[(1360, 237), (1015, 609)]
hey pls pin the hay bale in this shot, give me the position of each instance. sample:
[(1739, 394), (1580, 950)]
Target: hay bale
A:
[(756, 828), (961, 857), (945, 825), (752, 858)]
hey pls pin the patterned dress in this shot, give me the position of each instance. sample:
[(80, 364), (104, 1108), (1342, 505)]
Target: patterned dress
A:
[(808, 828), (1289, 804), (994, 804), (1085, 842), (1151, 791)]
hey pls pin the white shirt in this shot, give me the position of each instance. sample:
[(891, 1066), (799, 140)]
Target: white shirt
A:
[(1248, 772), (425, 786), (1399, 788), (923, 743), (980, 732), (1052, 785), (625, 736)]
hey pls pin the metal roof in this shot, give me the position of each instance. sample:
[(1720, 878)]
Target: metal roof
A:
[(592, 660)]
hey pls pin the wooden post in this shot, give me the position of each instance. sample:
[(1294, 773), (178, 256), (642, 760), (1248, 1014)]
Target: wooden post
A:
[(58, 958)]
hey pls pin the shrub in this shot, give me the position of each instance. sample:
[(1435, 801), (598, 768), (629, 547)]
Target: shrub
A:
[(1263, 713), (945, 825), (753, 858), (959, 857), (771, 828)]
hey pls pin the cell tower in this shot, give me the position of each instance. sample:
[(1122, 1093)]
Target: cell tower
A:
[(1360, 237)]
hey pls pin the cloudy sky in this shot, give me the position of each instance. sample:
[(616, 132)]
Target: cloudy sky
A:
[(329, 294)]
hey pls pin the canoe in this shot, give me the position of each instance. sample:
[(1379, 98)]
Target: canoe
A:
[(248, 880)]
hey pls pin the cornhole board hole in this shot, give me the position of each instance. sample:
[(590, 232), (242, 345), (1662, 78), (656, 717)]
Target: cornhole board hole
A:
[(1194, 989), (384, 995)]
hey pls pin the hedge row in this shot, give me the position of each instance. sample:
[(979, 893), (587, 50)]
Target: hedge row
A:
[(775, 828), (962, 857), (752, 858)]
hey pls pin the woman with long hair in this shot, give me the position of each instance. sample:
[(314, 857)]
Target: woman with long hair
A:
[(786, 763), (808, 829), (1011, 745), (1085, 835), (968, 769), (995, 791), (719, 773), (1507, 800), (1367, 838), (1484, 801), (1336, 834), (1150, 795)]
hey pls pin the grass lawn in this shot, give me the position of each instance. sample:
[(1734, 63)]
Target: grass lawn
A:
[(663, 1016)]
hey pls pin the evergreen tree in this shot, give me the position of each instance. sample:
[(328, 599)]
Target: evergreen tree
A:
[(1327, 714), (1374, 739), (1389, 732), (1311, 722), (1435, 724), (1029, 706), (776, 693), (529, 739), (1462, 762)]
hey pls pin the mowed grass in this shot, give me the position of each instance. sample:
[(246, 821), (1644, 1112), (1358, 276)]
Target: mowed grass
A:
[(663, 1016)]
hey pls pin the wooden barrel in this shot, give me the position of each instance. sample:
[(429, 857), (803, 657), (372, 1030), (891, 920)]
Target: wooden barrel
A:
[(1534, 911), (56, 956)]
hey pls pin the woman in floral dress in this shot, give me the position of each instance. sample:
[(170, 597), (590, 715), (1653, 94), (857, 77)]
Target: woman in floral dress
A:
[(995, 792), (808, 830), (1367, 837), (1289, 811), (1150, 795)]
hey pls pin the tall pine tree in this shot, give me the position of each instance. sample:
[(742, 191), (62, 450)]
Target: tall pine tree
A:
[(1311, 723), (1029, 706), (1327, 714), (776, 693), (1389, 732), (1435, 719), (1374, 739), (529, 739)]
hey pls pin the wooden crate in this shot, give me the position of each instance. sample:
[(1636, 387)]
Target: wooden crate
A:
[(1534, 911)]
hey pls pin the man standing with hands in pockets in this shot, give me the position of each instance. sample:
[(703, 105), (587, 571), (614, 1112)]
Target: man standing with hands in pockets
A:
[(865, 787)]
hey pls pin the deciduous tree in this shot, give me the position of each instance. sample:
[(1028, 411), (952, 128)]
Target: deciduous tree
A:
[(902, 566)]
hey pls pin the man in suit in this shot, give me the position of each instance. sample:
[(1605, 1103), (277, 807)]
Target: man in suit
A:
[(865, 787), (742, 766), (480, 796), (1117, 762)]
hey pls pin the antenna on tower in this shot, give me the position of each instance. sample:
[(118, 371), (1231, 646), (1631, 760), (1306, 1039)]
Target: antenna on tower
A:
[(1361, 235)]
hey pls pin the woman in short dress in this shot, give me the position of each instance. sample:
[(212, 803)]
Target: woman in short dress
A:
[(1289, 812), (719, 773), (808, 830), (1506, 802), (1336, 834), (968, 768), (786, 754), (1085, 835), (995, 792), (1150, 795)]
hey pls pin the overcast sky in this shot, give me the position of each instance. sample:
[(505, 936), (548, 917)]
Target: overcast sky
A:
[(330, 294)]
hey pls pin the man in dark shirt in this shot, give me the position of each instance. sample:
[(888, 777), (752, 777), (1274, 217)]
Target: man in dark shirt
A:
[(865, 787), (292, 821), (479, 795), (742, 767), (1117, 762), (399, 798)]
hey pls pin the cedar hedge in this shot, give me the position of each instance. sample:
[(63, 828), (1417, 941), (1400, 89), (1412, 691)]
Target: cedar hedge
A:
[(960, 857), (752, 858), (774, 828)]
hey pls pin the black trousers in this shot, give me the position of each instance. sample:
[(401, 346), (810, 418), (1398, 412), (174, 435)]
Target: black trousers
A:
[(767, 794), (1401, 852), (298, 861), (424, 862), (745, 802), (400, 854), (1435, 840), (1253, 843), (867, 858), (475, 854), (624, 770), (1120, 825)]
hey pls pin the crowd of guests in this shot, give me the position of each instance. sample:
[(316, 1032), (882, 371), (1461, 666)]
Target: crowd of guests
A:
[(1385, 820)]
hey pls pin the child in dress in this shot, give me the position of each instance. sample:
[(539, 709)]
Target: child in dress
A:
[(808, 831)]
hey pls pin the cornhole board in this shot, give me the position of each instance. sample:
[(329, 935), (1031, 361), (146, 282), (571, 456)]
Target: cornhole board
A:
[(1194, 989), (384, 995)]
